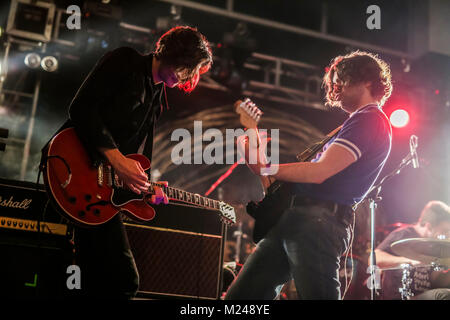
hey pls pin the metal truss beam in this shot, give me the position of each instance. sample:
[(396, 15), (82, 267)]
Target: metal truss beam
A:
[(229, 13)]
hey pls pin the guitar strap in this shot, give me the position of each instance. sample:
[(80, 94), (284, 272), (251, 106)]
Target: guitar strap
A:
[(146, 146), (310, 152)]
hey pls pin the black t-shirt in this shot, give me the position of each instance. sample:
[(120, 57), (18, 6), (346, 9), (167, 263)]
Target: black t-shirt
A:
[(396, 235), (118, 103)]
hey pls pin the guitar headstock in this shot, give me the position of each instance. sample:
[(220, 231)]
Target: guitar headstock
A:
[(228, 216), (249, 113)]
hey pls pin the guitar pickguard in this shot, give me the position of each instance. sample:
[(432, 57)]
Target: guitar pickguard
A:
[(121, 196)]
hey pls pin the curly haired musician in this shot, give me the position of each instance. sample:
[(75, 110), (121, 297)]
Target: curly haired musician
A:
[(434, 221), (307, 242), (114, 114)]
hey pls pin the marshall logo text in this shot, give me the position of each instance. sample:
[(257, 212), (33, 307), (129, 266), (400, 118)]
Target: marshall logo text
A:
[(10, 203)]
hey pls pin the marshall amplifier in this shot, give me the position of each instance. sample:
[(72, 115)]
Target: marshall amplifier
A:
[(33, 264), (179, 254), (23, 205)]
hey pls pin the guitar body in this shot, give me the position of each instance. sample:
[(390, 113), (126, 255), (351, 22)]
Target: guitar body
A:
[(82, 192), (269, 210)]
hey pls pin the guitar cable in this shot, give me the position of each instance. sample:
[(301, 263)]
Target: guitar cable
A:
[(66, 183), (349, 250), (41, 216)]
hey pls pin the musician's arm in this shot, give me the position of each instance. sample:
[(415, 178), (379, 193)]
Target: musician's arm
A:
[(332, 161), (387, 260), (353, 141), (112, 75)]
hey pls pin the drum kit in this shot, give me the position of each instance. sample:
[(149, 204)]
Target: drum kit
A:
[(406, 281), (434, 254)]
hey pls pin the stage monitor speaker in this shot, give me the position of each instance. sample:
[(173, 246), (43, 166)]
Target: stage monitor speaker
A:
[(179, 254), (32, 264)]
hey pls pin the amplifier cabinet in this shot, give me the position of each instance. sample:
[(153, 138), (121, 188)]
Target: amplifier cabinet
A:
[(26, 201), (179, 259)]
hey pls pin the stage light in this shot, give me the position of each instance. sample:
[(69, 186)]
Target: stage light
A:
[(49, 64), (3, 111), (32, 60), (399, 118), (104, 44)]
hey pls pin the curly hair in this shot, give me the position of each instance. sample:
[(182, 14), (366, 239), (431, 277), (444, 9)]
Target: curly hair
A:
[(185, 48), (359, 67)]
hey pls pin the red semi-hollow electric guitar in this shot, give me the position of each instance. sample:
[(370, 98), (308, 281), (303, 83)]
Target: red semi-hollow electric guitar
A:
[(91, 196)]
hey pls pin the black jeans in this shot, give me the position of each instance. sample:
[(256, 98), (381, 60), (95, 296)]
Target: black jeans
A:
[(305, 245), (108, 269)]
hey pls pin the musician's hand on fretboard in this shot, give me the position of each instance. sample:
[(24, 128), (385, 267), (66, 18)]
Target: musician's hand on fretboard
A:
[(159, 196)]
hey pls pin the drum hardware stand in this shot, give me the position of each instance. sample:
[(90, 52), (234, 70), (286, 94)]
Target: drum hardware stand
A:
[(373, 196)]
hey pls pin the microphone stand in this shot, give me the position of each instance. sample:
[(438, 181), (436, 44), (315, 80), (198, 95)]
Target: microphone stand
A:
[(373, 196)]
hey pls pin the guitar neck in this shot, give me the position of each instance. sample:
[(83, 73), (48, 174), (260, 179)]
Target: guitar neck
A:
[(174, 194), (186, 197)]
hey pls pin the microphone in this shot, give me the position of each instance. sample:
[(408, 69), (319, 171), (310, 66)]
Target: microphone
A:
[(413, 143)]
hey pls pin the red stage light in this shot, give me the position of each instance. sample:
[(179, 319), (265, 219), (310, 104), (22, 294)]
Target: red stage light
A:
[(399, 118)]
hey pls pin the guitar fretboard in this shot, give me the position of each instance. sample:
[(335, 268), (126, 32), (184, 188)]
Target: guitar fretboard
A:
[(188, 197)]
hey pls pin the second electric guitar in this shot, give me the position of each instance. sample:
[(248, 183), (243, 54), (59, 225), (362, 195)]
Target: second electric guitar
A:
[(278, 195)]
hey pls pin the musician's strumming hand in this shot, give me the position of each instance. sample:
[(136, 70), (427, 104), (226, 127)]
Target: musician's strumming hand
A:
[(129, 171)]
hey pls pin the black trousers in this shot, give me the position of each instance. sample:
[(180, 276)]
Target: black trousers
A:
[(108, 269), (305, 245)]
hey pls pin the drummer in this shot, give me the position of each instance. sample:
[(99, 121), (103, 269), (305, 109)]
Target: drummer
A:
[(434, 222)]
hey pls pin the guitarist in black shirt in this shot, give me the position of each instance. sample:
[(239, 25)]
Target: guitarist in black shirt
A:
[(309, 237), (114, 114)]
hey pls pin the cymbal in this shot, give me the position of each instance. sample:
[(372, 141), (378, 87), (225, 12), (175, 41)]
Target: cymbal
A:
[(400, 267), (426, 250)]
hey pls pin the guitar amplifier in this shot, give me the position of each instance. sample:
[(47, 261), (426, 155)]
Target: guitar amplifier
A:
[(33, 264), (23, 204), (179, 254)]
